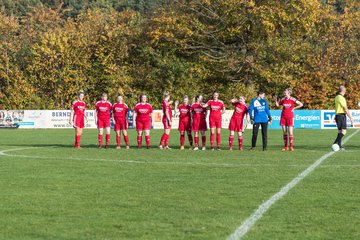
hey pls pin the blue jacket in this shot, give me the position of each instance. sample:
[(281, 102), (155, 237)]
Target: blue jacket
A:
[(259, 110)]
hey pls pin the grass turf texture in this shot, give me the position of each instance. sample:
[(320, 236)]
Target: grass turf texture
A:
[(56, 192)]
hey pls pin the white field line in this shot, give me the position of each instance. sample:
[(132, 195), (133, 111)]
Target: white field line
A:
[(264, 207), (5, 153), (208, 164)]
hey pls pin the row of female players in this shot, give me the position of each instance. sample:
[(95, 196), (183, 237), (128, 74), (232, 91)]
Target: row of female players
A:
[(192, 119)]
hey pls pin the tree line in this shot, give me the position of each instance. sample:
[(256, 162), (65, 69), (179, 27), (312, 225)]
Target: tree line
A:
[(52, 49)]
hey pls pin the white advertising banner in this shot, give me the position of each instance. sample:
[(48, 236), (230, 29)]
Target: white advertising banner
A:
[(43, 118), (60, 119), (328, 119)]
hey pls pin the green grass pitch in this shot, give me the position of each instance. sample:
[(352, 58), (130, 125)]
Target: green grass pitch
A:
[(48, 190)]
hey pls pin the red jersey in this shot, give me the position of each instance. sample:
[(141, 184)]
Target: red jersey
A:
[(166, 107), (120, 110), (78, 107), (198, 111), (288, 106), (143, 111), (185, 111), (240, 110), (103, 109), (216, 108)]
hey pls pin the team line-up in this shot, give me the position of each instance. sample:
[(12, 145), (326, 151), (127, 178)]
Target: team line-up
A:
[(192, 119)]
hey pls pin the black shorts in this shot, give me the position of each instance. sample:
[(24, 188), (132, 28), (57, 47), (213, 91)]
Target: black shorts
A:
[(340, 120)]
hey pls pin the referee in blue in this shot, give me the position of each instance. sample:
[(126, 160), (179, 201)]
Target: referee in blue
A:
[(260, 116)]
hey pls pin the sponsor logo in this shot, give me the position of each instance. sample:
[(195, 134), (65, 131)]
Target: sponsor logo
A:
[(103, 109), (215, 108), (329, 119), (239, 110), (119, 109), (257, 104)]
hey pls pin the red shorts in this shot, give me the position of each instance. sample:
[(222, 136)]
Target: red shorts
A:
[(120, 124), (215, 122), (79, 121), (142, 124), (184, 125), (166, 123), (199, 125), (287, 121), (103, 123), (236, 124)]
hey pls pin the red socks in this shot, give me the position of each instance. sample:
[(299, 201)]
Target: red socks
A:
[(203, 140), (218, 140), (100, 139), (285, 140), (190, 139), (147, 140), (197, 141), (291, 140), (118, 140), (107, 139), (212, 137), (231, 140), (77, 140), (182, 139), (162, 140), (167, 140), (240, 142), (139, 141), (126, 139)]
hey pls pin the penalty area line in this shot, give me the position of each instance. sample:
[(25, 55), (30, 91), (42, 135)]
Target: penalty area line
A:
[(241, 231)]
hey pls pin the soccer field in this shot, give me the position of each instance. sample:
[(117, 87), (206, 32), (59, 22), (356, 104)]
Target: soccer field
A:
[(51, 191)]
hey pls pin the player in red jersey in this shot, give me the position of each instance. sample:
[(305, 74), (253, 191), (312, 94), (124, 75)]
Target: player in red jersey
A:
[(102, 119), (121, 121), (217, 109), (237, 121), (167, 120), (184, 111), (198, 114), (287, 117), (143, 115), (77, 116)]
